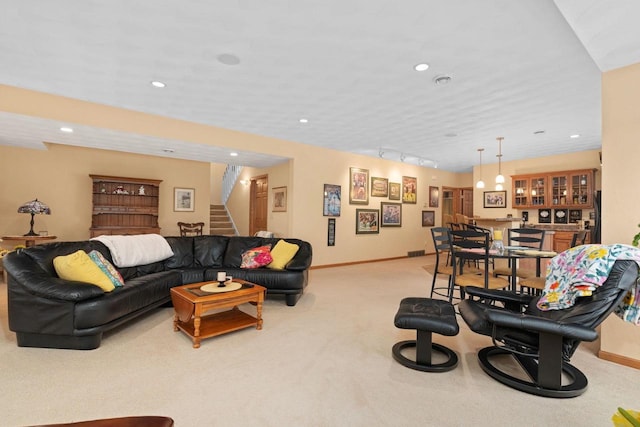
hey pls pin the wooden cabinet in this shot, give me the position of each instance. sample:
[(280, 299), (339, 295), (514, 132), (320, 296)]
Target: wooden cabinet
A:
[(124, 205), (562, 241), (564, 189)]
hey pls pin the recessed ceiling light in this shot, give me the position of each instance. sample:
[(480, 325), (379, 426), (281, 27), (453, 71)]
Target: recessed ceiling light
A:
[(450, 135), (442, 80), (538, 132), (168, 150), (228, 59), (157, 84), (575, 135), (66, 129), (233, 154), (304, 120), (421, 67)]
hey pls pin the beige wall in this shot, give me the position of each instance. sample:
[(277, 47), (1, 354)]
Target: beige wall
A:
[(620, 201), (59, 176)]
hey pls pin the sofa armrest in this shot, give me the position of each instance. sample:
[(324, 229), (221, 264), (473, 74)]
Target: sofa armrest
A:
[(302, 260), (22, 271)]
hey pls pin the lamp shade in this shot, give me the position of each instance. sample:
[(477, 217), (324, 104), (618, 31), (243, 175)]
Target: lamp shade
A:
[(34, 207)]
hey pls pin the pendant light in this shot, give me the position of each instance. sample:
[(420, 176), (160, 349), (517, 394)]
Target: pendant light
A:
[(500, 177), (480, 183)]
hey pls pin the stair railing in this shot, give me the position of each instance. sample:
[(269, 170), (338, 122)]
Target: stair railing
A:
[(229, 179)]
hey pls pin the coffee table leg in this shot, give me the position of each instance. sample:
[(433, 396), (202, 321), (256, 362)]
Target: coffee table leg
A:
[(196, 332), (259, 312)]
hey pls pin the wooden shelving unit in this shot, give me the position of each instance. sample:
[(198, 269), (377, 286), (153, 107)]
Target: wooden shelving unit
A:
[(124, 205), (565, 189)]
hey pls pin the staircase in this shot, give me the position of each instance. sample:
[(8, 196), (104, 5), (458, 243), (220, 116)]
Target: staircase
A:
[(220, 223)]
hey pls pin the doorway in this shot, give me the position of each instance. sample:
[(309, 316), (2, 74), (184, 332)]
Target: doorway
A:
[(457, 201), (258, 204)]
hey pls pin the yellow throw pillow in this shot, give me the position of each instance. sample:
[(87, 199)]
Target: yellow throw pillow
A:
[(79, 267), (282, 253)]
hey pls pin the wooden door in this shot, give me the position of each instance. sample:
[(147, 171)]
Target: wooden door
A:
[(258, 204)]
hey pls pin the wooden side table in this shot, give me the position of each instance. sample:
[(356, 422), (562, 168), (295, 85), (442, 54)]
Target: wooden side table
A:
[(29, 240)]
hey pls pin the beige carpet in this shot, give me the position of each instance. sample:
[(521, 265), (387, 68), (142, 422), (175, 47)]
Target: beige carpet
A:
[(325, 362)]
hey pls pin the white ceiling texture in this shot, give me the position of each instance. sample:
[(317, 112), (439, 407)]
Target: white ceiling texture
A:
[(526, 70)]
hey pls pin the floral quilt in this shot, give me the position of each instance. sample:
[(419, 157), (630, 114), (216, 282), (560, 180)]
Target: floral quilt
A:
[(579, 271)]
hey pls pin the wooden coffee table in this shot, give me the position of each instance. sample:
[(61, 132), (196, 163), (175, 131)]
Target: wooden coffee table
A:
[(191, 304)]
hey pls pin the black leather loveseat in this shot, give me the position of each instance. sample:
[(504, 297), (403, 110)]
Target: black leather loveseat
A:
[(47, 311)]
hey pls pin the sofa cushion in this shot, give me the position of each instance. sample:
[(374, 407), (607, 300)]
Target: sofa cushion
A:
[(107, 268), (44, 254), (182, 248), (256, 257), (79, 267), (209, 251), (237, 246), (282, 253), (136, 294)]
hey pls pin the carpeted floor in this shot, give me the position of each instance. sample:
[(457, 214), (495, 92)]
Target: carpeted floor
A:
[(325, 362)]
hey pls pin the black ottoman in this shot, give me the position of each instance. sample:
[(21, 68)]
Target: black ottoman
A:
[(426, 316)]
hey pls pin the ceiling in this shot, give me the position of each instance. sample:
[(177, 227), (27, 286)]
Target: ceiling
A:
[(526, 70)]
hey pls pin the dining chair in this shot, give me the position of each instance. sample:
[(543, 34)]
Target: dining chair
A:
[(447, 220), (441, 246), (579, 237), (471, 245), (530, 237), (190, 228)]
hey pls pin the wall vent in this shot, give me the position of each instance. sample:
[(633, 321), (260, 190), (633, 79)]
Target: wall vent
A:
[(415, 253)]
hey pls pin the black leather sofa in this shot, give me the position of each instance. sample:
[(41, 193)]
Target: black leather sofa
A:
[(47, 311)]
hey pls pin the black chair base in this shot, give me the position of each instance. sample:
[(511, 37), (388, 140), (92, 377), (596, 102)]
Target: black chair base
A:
[(577, 386), (426, 316), (449, 364)]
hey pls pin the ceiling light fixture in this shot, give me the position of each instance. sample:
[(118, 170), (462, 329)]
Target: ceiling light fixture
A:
[(395, 155), (228, 59), (168, 150), (442, 80), (66, 129), (480, 183), (500, 177), (575, 135), (304, 120), (233, 154), (421, 67), (156, 83)]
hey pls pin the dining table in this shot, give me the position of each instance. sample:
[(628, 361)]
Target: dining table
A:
[(515, 253)]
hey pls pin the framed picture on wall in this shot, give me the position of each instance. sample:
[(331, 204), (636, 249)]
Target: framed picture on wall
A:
[(367, 221), (184, 199), (358, 191), (279, 199), (434, 197), (495, 199), (409, 189), (332, 200), (428, 218), (391, 214), (379, 187), (394, 191)]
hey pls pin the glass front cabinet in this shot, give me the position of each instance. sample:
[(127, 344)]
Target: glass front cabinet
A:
[(564, 189)]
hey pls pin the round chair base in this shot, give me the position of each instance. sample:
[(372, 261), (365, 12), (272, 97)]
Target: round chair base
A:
[(576, 387), (452, 357)]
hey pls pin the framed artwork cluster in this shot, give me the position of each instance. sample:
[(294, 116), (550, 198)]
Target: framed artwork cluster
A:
[(362, 186)]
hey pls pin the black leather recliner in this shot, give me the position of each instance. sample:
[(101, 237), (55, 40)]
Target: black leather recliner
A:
[(542, 342)]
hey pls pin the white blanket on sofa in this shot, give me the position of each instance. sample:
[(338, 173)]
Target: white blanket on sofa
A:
[(138, 249)]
